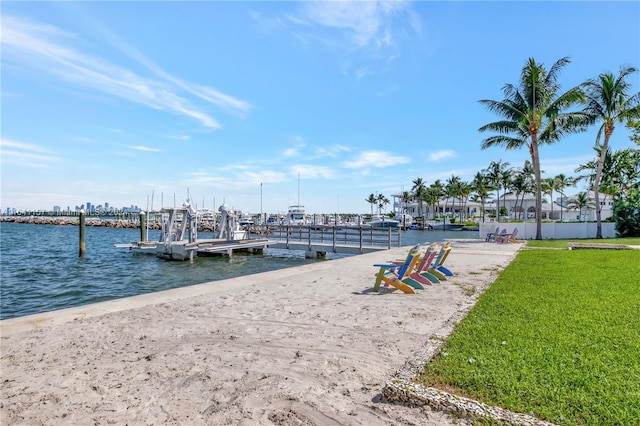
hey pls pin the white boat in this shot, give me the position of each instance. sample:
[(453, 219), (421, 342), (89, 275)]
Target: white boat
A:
[(295, 216), (405, 221), (454, 226), (245, 219), (379, 221), (206, 216)]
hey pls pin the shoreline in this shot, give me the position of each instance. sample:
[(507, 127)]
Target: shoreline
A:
[(304, 345)]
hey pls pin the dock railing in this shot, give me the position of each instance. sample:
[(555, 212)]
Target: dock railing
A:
[(345, 239)]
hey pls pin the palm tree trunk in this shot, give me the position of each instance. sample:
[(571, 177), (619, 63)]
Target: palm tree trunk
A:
[(535, 159), (596, 184)]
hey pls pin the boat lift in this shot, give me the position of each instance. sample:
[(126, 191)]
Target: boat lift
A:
[(179, 236)]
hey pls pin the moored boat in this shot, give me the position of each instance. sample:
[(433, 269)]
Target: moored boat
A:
[(295, 216), (454, 226), (379, 221)]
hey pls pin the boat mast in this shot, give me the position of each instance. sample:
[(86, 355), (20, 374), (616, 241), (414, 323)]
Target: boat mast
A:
[(298, 189)]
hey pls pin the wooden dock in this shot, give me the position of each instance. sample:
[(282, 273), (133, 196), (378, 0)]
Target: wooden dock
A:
[(179, 241), (317, 241), (228, 247)]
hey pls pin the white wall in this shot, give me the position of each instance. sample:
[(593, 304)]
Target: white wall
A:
[(552, 230)]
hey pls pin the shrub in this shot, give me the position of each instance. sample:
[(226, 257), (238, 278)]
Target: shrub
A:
[(626, 213)]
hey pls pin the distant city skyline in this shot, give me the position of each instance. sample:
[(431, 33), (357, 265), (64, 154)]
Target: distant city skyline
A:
[(265, 104)]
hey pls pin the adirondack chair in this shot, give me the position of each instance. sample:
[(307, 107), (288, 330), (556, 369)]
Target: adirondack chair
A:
[(491, 235), (513, 238), (438, 266), (503, 237), (423, 272), (398, 275)]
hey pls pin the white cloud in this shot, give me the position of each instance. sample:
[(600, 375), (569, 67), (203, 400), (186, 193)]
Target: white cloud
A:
[(290, 152), (235, 177), (294, 151), (332, 151), (25, 154), (372, 27), (143, 148), (9, 143), (376, 159), (307, 171), (44, 48), (441, 155)]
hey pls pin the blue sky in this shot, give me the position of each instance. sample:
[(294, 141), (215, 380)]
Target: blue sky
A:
[(264, 104)]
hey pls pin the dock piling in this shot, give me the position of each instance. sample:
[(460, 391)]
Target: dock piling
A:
[(82, 227), (143, 227)]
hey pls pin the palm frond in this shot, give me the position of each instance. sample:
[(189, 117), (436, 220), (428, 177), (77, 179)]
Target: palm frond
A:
[(508, 142)]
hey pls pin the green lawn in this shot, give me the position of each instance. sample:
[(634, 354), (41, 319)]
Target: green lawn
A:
[(557, 336), (565, 243)]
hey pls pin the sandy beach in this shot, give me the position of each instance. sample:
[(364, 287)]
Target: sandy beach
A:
[(311, 345)]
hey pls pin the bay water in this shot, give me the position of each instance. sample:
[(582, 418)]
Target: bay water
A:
[(40, 269)]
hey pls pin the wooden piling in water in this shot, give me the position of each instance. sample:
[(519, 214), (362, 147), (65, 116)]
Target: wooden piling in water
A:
[(81, 242), (143, 227)]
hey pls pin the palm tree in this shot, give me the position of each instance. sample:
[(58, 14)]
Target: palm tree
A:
[(464, 191), (633, 124), (418, 190), (481, 186), (533, 115), (371, 200), (496, 174), (561, 182), (520, 185), (450, 191), (620, 172), (382, 201), (548, 186), (437, 192), (580, 202), (523, 183), (608, 100), (626, 170)]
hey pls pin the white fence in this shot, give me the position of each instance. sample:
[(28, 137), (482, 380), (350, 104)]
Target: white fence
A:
[(551, 230)]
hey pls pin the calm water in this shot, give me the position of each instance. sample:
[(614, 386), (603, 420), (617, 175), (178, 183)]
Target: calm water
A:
[(41, 270)]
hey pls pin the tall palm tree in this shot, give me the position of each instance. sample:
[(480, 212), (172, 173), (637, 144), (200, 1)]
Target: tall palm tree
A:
[(437, 191), (520, 185), (523, 183), (405, 197), (609, 101), (418, 190), (533, 115), (450, 191), (611, 178), (372, 199), (464, 191), (561, 183), (496, 175), (481, 187), (382, 201), (548, 186), (432, 197)]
